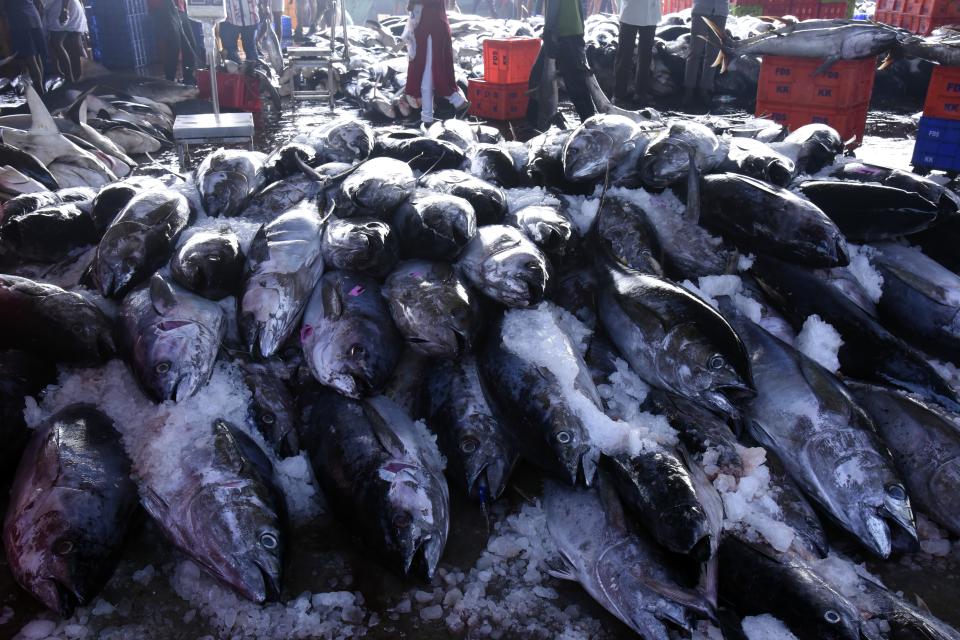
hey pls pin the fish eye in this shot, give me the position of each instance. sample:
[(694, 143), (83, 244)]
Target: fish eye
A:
[(356, 350), (831, 616), (564, 437), (269, 541), (402, 520), (896, 492), (63, 547), (469, 445), (162, 367), (717, 361), (268, 418)]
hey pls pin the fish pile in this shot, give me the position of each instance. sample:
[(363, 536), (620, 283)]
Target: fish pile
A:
[(708, 345)]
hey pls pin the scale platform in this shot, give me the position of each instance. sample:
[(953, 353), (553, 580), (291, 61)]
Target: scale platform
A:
[(206, 128)]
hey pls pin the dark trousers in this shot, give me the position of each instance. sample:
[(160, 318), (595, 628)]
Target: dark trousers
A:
[(174, 32), (699, 72), (228, 36), (627, 41), (571, 58)]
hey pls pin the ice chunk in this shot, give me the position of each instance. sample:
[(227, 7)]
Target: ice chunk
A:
[(434, 612), (145, 575), (766, 627), (819, 341), (37, 629), (862, 269)]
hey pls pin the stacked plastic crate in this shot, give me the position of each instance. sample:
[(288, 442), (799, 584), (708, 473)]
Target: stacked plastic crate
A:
[(123, 34), (919, 16), (502, 94), (790, 93), (938, 135)]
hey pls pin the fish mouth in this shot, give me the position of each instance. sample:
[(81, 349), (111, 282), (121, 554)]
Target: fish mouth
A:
[(584, 469), (255, 582), (490, 481), (59, 597), (424, 556), (722, 399)]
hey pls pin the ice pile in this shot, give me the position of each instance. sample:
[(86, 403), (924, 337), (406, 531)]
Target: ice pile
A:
[(766, 627), (538, 336), (749, 502), (862, 269), (820, 342), (337, 615), (509, 592)]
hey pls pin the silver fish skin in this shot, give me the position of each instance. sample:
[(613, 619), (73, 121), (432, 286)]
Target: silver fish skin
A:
[(504, 265), (227, 178), (284, 264), (170, 337), (70, 509), (139, 240), (626, 574), (827, 443)]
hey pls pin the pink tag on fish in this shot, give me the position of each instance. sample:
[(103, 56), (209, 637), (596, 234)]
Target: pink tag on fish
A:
[(357, 290)]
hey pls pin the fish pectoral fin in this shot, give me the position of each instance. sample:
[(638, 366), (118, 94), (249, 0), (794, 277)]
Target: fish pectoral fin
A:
[(562, 574), (153, 504), (162, 295), (827, 63), (686, 597)]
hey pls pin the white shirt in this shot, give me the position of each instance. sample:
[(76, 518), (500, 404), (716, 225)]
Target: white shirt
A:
[(76, 18), (640, 13), (243, 13)]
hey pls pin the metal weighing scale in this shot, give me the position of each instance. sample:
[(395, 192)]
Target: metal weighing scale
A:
[(305, 58), (233, 128)]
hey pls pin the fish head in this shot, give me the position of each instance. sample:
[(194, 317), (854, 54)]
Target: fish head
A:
[(273, 411), (121, 258), (223, 191), (355, 356), (518, 276), (548, 230), (699, 366), (57, 558), (268, 311), (87, 324), (864, 490), (689, 529), (570, 444), (413, 517), (367, 243), (212, 262), (664, 162), (485, 457), (173, 358), (235, 532), (587, 153)]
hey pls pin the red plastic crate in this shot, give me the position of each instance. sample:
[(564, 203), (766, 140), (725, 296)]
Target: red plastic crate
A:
[(934, 8), (849, 122), (891, 18), (943, 95), (928, 24), (804, 9), (897, 6), (832, 11), (496, 101), (777, 8), (509, 60), (234, 90), (674, 6), (847, 83)]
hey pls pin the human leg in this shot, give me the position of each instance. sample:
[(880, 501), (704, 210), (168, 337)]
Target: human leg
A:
[(711, 49), (426, 85), (624, 61), (73, 44), (644, 60), (249, 36), (58, 55), (572, 67), (228, 38)]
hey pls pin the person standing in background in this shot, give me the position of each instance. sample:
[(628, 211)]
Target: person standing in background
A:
[(563, 41), (27, 41), (175, 35), (430, 49), (243, 16), (637, 18), (276, 8), (700, 73), (66, 23)]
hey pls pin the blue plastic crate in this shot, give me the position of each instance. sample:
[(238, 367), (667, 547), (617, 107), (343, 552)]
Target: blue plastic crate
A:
[(125, 42), (938, 144), (286, 29), (108, 8)]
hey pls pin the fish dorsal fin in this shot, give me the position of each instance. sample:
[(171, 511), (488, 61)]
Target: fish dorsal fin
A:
[(77, 111), (162, 295), (386, 436), (332, 302), (612, 506), (42, 121)]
